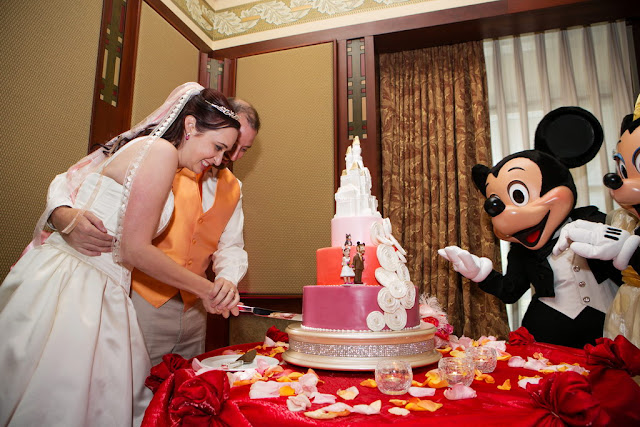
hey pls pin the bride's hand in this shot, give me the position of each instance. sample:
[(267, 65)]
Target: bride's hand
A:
[(223, 298)]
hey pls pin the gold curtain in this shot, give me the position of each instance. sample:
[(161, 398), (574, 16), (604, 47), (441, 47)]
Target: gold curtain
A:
[(435, 127)]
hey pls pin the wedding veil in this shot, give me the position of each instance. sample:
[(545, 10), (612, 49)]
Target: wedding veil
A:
[(162, 118)]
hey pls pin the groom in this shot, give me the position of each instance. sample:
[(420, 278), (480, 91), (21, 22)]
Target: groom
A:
[(174, 321)]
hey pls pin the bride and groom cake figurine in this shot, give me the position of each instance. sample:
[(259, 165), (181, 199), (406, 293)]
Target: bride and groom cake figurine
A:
[(352, 268)]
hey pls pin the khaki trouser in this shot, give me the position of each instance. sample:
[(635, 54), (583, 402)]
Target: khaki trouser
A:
[(169, 329)]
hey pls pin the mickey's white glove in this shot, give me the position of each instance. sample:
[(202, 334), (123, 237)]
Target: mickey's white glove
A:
[(470, 266), (594, 240)]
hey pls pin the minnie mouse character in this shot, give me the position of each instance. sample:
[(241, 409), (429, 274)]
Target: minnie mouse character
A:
[(623, 317), (531, 196)]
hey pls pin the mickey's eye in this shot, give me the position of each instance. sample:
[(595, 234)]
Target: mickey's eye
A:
[(621, 166), (518, 193)]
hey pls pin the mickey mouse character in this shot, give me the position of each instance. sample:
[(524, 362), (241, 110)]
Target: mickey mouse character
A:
[(531, 196)]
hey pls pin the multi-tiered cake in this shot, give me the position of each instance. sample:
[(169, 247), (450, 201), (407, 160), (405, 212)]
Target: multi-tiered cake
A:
[(351, 326)]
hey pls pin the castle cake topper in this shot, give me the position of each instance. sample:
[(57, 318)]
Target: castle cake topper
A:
[(353, 197)]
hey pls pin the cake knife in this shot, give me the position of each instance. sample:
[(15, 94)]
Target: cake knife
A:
[(265, 312)]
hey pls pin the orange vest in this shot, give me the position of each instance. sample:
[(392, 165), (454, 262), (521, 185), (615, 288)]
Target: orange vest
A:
[(191, 236)]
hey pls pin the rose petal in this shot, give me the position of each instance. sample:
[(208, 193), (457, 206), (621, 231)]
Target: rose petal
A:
[(422, 391), (399, 411), (371, 383), (430, 405), (319, 414), (298, 403), (516, 362), (349, 393), (506, 385), (459, 391), (287, 391), (322, 398), (371, 409), (338, 407), (264, 389), (398, 402)]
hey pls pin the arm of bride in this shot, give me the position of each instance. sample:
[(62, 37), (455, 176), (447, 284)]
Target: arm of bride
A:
[(146, 201)]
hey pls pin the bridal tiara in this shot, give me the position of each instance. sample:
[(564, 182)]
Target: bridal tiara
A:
[(224, 110)]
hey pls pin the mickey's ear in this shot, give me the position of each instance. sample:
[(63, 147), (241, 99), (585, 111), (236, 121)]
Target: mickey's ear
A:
[(480, 174), (570, 134)]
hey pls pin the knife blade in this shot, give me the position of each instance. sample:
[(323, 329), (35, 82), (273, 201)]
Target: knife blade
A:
[(265, 312)]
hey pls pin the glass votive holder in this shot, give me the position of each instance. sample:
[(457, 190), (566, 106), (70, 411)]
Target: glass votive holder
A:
[(485, 358), (393, 376), (457, 370)]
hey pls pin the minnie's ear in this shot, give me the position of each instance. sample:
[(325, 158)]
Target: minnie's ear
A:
[(570, 134), (479, 173)]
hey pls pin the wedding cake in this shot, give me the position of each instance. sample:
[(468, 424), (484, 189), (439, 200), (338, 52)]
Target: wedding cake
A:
[(364, 306)]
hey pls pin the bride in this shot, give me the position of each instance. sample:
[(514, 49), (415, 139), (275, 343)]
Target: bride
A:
[(71, 350)]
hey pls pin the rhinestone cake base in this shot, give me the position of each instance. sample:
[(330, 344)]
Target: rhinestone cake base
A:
[(359, 351)]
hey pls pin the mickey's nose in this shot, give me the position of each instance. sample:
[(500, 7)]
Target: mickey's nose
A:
[(494, 206), (612, 181)]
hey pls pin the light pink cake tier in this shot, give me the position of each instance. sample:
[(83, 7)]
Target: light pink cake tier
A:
[(345, 308), (329, 265), (358, 226)]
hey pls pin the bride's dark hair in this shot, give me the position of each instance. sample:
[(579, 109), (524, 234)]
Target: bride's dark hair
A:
[(199, 106)]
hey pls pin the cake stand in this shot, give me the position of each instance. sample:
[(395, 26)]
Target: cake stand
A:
[(359, 351)]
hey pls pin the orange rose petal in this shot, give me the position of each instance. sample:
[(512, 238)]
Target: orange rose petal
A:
[(444, 350), (272, 370), (438, 383), (319, 414), (505, 385), (457, 353), (415, 407), (283, 379), (295, 375), (369, 383), (486, 378), (349, 393), (503, 357), (430, 405), (546, 371), (287, 391), (398, 402), (414, 400)]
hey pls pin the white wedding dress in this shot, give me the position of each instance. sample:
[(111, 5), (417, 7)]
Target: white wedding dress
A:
[(71, 350)]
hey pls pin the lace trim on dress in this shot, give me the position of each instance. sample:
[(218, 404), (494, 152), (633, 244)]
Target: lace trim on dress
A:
[(134, 166)]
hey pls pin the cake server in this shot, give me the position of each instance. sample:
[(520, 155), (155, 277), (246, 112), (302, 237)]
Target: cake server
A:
[(246, 358), (265, 312)]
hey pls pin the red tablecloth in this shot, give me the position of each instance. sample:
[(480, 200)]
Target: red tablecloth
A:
[(607, 396)]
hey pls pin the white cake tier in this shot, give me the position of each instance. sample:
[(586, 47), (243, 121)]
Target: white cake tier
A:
[(358, 226)]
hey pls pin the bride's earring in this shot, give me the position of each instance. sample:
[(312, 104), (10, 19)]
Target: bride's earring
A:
[(187, 137)]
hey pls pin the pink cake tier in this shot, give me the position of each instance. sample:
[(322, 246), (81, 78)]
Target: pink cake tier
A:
[(345, 308), (329, 265), (358, 226)]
